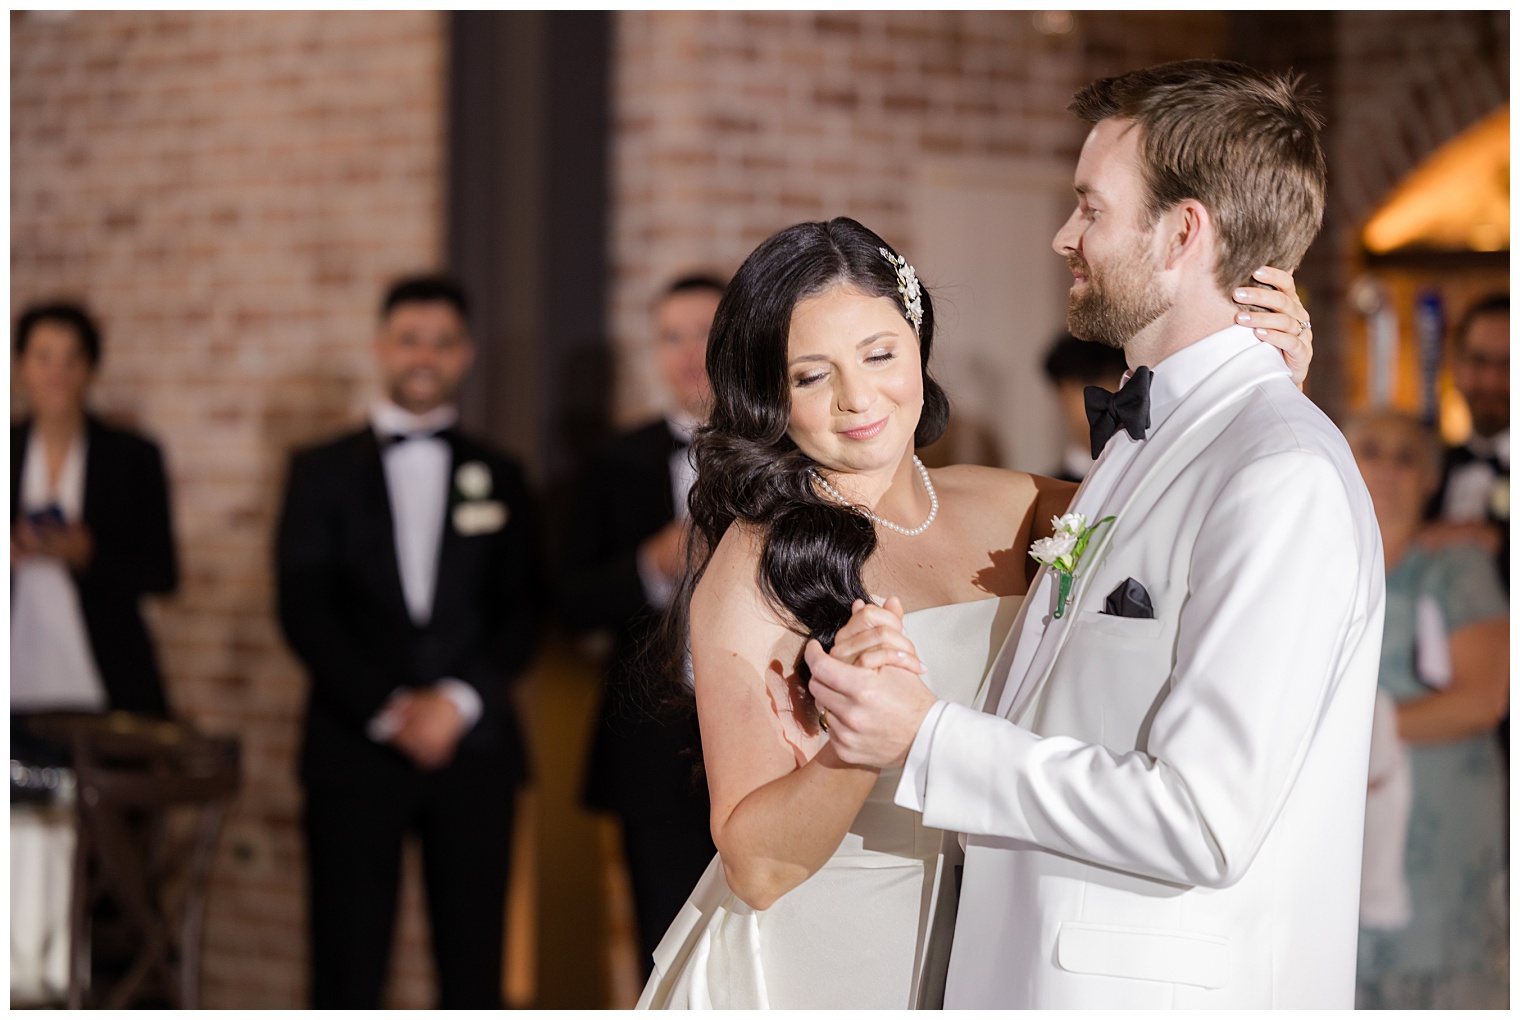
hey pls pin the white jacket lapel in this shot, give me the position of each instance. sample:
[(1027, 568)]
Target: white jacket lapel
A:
[(1218, 392)]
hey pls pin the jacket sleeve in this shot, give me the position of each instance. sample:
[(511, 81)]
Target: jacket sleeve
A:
[(598, 583), (134, 539), (348, 676), (1275, 588)]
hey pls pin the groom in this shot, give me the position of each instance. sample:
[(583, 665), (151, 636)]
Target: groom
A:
[(1164, 791)]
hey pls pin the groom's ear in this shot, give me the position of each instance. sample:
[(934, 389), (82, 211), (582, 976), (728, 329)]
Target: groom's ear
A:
[(1188, 235)]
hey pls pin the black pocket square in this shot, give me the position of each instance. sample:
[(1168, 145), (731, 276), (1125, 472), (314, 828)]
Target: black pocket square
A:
[(1130, 600)]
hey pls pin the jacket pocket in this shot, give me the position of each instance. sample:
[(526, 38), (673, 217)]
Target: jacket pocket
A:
[(1144, 954), (1118, 626)]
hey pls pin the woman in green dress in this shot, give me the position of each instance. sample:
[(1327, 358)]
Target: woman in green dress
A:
[(1446, 665)]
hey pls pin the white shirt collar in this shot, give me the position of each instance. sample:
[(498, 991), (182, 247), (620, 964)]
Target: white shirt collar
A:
[(1176, 376), (388, 419)]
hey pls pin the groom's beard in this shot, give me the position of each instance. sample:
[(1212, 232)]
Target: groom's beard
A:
[(1117, 303)]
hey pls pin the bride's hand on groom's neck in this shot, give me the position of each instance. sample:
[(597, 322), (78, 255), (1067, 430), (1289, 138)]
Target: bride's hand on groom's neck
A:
[(1274, 313)]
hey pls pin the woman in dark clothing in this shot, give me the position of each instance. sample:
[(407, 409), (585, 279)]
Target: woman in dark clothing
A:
[(90, 533)]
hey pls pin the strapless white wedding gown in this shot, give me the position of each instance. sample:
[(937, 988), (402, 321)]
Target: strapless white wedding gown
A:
[(871, 929)]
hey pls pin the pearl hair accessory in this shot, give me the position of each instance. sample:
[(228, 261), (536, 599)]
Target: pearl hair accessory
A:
[(923, 473), (907, 288)]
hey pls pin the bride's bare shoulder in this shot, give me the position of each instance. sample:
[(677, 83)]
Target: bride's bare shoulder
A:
[(1002, 494), (731, 582), (976, 481)]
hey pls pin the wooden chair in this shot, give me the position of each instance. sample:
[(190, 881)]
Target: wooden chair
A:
[(136, 777)]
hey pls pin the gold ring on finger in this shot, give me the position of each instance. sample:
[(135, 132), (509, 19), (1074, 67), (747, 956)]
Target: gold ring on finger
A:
[(823, 719)]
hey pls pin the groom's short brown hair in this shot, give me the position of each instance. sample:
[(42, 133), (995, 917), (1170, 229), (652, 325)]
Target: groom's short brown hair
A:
[(1243, 142)]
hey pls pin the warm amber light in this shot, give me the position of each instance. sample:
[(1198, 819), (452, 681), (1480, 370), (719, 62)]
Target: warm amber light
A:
[(1458, 199)]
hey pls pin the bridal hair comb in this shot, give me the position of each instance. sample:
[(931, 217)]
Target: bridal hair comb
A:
[(907, 287)]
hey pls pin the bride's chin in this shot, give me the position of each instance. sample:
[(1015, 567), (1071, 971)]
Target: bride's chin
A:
[(863, 462)]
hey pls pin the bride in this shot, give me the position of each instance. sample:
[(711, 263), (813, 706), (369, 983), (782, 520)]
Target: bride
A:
[(809, 497)]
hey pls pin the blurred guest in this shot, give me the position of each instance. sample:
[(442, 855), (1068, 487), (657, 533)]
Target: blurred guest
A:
[(1472, 503), (408, 585), (1445, 662), (90, 533), (625, 554), (1072, 365)]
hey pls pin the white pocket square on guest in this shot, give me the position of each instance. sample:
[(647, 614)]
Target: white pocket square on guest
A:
[(480, 517)]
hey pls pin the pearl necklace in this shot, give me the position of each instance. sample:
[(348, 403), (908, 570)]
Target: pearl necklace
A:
[(923, 473)]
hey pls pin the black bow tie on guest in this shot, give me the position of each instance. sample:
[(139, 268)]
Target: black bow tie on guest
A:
[(388, 441), (1129, 409), (1467, 455)]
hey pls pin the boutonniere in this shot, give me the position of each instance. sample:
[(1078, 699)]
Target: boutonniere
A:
[(1062, 552), (475, 513)]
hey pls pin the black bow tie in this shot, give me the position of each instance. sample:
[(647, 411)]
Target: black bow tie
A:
[(388, 441), (1129, 409), (1467, 455)]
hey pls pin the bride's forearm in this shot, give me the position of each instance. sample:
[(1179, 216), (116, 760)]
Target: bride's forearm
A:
[(783, 832)]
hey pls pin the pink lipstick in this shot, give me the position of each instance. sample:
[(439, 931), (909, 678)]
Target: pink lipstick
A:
[(866, 431)]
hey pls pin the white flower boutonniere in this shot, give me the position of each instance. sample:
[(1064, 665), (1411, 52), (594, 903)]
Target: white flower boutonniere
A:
[(473, 480), (1062, 552), (475, 514)]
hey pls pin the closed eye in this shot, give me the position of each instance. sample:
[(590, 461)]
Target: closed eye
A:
[(808, 380)]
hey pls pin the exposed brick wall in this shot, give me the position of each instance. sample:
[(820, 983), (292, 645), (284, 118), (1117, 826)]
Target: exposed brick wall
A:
[(229, 191), (729, 126)]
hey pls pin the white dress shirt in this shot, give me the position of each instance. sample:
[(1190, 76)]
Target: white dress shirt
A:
[(52, 667), (417, 481), (1171, 380)]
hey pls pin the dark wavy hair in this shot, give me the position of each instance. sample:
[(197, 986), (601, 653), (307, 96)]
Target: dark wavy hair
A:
[(748, 470)]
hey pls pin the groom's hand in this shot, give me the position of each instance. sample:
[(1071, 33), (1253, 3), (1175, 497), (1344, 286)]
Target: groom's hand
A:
[(873, 714)]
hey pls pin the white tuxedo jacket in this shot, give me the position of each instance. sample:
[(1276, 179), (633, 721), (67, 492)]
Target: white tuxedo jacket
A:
[(1168, 812)]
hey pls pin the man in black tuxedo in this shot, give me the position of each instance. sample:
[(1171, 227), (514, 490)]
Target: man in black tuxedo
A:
[(624, 558), (408, 585), (1473, 501)]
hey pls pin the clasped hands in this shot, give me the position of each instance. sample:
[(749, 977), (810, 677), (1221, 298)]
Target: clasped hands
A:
[(71, 543), (870, 685), (427, 726)]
